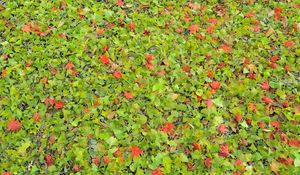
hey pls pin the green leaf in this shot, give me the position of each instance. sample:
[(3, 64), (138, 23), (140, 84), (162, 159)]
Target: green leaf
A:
[(22, 149), (167, 162), (112, 141), (183, 157), (218, 102), (297, 159)]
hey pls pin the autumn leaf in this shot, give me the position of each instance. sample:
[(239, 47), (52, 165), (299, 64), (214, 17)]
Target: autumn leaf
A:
[(14, 125), (135, 151), (193, 28)]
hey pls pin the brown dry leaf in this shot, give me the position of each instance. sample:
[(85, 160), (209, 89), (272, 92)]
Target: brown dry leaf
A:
[(111, 115), (270, 32), (101, 148), (1, 8), (145, 127), (266, 130), (144, 5), (166, 62), (271, 13), (275, 167), (173, 148), (251, 67), (63, 5), (114, 66), (220, 9), (285, 22)]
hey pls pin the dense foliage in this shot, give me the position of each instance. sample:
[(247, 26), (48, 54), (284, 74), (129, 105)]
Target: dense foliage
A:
[(149, 87)]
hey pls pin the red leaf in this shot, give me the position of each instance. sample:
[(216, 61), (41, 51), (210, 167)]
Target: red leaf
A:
[(161, 72), (210, 29), (196, 146), (149, 57), (190, 166), (104, 59), (294, 143), (256, 28), (96, 160), (120, 3), (105, 48), (224, 150), (288, 161), (266, 100), (222, 129), (252, 75), (168, 128), (265, 86), (48, 159), (54, 8), (128, 95), (209, 103), (278, 10), (76, 168), (249, 121), (75, 72), (69, 65), (5, 56), (261, 124), (118, 74), (238, 117), (274, 58), (135, 151), (225, 48), (287, 68), (215, 85), (273, 65), (297, 6), (193, 28), (59, 104), (14, 125), (132, 26), (238, 162), (275, 124), (249, 14), (187, 18), (53, 71), (285, 104), (37, 117), (50, 101), (147, 32), (237, 173), (150, 66), (201, 37), (213, 21), (186, 68), (210, 74), (283, 137), (26, 28), (110, 25), (118, 153), (255, 22), (288, 43), (106, 160), (208, 162), (157, 171)]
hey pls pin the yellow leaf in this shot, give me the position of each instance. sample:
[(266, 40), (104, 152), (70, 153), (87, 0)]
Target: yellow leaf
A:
[(270, 32)]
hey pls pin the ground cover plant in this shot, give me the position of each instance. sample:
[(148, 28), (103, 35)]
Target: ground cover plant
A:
[(149, 87)]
